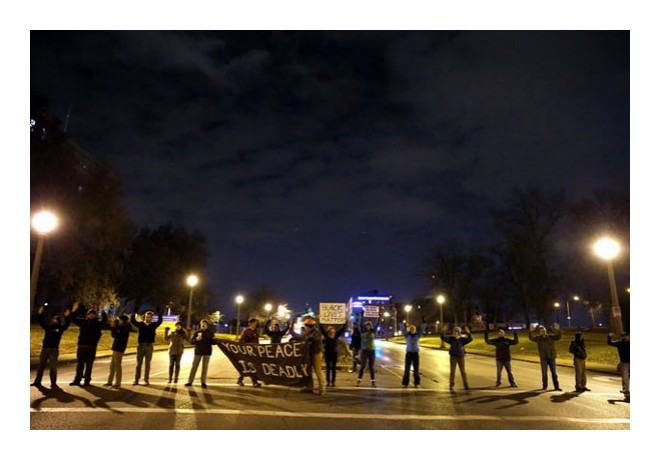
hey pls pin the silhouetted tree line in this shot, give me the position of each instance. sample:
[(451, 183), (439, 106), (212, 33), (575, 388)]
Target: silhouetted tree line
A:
[(97, 256)]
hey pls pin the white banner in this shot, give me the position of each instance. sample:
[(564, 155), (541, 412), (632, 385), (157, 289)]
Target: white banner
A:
[(371, 311), (332, 313)]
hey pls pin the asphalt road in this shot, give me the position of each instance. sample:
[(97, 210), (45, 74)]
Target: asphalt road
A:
[(225, 406)]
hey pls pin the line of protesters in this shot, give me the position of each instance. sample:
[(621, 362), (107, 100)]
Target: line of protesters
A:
[(323, 347)]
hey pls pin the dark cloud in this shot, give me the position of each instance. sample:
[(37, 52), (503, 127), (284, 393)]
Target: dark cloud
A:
[(323, 164)]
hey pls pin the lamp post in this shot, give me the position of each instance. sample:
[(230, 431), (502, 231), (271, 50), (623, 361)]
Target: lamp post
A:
[(407, 308), (387, 315), (441, 300), (239, 300), (43, 223), (607, 249), (192, 281), (568, 309)]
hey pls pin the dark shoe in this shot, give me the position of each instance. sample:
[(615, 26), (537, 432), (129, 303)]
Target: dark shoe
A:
[(169, 381), (107, 384), (513, 385), (117, 386), (498, 384), (558, 389), (74, 384), (586, 389), (203, 385), (466, 387), (54, 386), (239, 382), (373, 383), (87, 384), (545, 387), (307, 390), (188, 384), (36, 384), (416, 386), (358, 382), (146, 382), (136, 383), (404, 386), (256, 384)]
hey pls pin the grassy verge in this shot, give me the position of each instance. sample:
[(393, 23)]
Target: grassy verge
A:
[(600, 356)]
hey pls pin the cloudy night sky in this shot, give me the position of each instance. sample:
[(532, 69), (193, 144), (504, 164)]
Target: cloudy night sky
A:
[(325, 164)]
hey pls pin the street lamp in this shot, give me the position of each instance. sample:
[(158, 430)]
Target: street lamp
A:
[(268, 307), (239, 300), (407, 308), (441, 300), (192, 281), (387, 315), (43, 223), (607, 249)]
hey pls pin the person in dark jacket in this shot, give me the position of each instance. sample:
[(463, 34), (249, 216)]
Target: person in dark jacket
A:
[(50, 347), (623, 347), (250, 335), (412, 336), (91, 328), (314, 338), (274, 331), (457, 344), (545, 343), (203, 339), (356, 345), (177, 340), (120, 331), (330, 338), (146, 338), (503, 354), (579, 351)]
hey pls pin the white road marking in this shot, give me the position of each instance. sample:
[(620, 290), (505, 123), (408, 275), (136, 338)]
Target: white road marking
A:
[(329, 415)]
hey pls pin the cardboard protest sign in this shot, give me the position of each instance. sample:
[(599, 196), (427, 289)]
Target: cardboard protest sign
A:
[(276, 364), (332, 313), (371, 311)]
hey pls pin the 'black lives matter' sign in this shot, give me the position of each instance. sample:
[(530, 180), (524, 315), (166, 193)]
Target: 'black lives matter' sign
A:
[(276, 363)]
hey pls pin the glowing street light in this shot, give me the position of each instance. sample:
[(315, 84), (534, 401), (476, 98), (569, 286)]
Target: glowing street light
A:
[(407, 308), (239, 300), (191, 281), (441, 300), (43, 223), (607, 249)]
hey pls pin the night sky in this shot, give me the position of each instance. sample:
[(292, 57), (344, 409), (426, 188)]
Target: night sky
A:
[(325, 164)]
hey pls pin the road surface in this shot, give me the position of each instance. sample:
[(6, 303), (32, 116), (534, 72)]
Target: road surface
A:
[(225, 406)]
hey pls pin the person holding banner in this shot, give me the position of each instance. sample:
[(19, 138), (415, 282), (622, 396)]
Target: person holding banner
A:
[(314, 338), (412, 336), (330, 338), (203, 339), (368, 333), (250, 335)]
